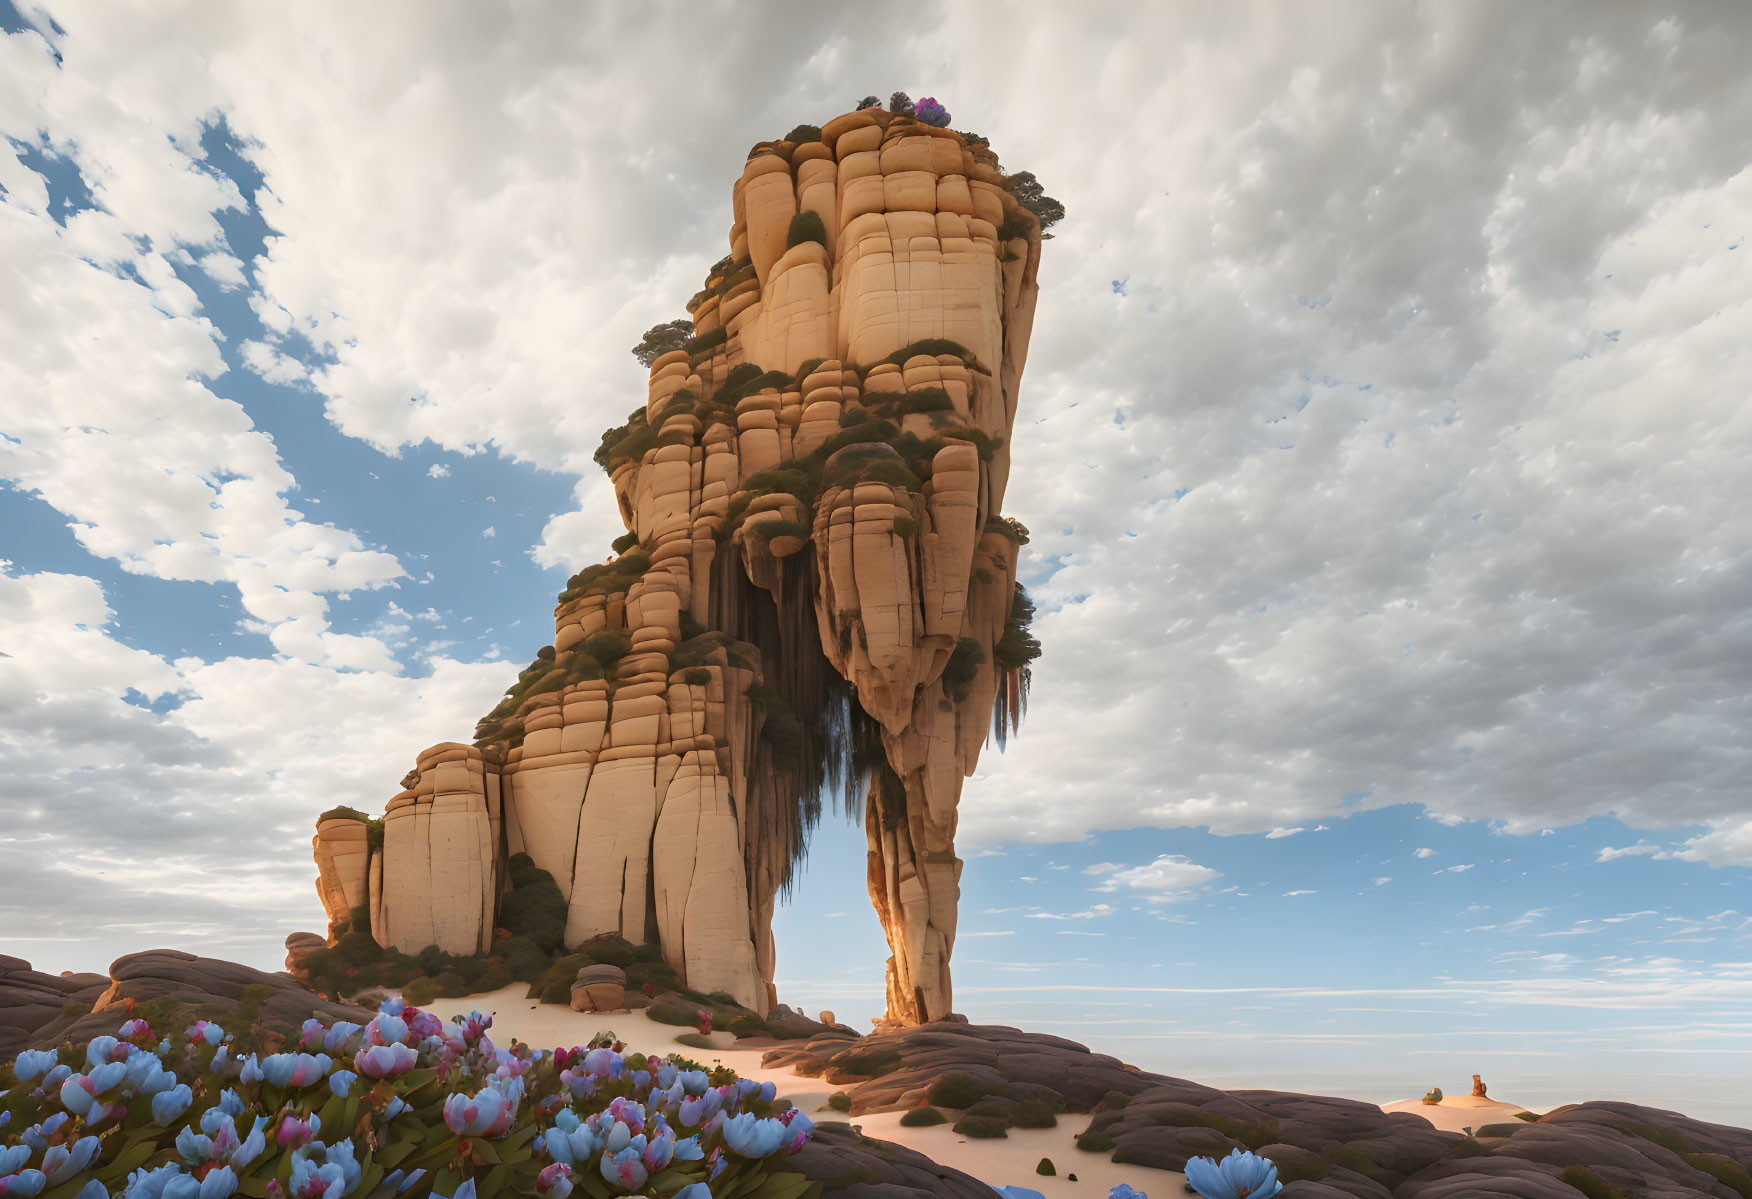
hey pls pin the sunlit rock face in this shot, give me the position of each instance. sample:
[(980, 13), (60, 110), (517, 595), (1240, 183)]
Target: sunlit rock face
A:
[(810, 599)]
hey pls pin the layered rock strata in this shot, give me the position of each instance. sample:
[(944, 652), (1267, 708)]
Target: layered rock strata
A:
[(812, 594)]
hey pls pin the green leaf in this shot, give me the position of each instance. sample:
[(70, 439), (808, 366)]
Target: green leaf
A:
[(495, 1181), (486, 1151), (394, 1155), (255, 1188), (131, 1158), (521, 1137)]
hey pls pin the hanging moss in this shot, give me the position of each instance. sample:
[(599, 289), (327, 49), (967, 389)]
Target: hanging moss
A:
[(925, 399), (934, 346), (706, 341), (766, 530), (1014, 656), (962, 668)]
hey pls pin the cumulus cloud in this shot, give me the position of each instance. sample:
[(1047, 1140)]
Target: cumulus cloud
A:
[(109, 415), (1392, 453), (1642, 849), (438, 471), (1403, 467), (138, 821), (1170, 877), (1425, 852)]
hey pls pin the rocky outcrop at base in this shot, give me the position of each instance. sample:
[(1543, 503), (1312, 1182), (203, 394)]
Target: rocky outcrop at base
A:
[(852, 1166), (31, 1000), (40, 1011), (1325, 1147)]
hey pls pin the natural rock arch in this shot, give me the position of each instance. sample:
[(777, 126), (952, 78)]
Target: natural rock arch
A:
[(817, 593)]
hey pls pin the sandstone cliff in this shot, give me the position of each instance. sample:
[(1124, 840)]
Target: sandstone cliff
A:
[(816, 594)]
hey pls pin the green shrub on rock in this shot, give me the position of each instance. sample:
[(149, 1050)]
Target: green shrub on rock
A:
[(982, 1127), (923, 1117), (956, 1090), (839, 1101)]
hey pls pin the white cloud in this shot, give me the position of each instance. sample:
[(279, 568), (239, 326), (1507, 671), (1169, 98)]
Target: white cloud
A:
[(1421, 368), (1641, 849), (438, 470), (1287, 894), (1275, 833), (1382, 881), (489, 532), (1424, 853), (1170, 877), (237, 771)]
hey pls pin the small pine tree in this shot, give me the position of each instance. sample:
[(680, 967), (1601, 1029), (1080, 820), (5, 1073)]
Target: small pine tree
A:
[(900, 104), (660, 339)]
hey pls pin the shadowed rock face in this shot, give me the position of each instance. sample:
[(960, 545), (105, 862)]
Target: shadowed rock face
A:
[(821, 581), (1324, 1146), (859, 1167)]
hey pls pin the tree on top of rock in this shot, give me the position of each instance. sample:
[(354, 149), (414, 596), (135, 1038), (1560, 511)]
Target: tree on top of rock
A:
[(1028, 192), (660, 339), (900, 104)]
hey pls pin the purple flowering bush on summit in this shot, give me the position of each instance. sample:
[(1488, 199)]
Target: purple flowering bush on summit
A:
[(405, 1104)]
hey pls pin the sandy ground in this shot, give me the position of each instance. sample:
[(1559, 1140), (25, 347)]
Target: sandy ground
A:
[(1010, 1160), (1457, 1113)]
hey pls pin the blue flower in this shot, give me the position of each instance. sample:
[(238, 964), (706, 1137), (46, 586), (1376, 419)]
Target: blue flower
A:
[(465, 1191), (1015, 1192), (150, 1184), (12, 1159), (341, 1082), (1240, 1176), (24, 1184), (1126, 1191), (194, 1147), (220, 1184), (752, 1136), (168, 1105)]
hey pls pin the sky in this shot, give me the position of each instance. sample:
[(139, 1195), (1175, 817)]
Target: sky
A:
[(1383, 442)]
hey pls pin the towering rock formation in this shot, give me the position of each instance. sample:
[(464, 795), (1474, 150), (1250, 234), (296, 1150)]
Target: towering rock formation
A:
[(817, 593)]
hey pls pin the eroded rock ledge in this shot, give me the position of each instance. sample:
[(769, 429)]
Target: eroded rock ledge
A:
[(92, 1005), (1329, 1147)]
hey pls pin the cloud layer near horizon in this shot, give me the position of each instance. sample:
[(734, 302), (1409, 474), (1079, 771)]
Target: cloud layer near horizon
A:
[(1383, 437)]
